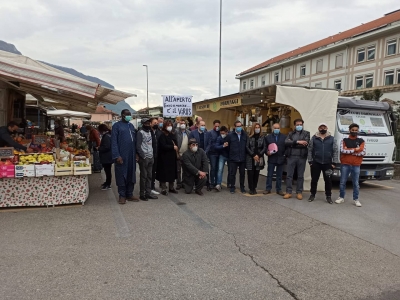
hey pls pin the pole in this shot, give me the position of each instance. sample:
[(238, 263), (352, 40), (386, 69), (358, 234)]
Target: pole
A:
[(220, 40), (147, 80)]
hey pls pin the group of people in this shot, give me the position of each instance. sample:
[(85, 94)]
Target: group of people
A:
[(192, 158)]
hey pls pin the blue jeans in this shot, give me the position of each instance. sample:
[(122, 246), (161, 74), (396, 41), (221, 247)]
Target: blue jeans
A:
[(345, 171), (213, 169), (221, 165), (279, 171)]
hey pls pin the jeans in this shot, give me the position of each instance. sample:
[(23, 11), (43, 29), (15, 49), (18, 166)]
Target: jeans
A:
[(233, 166), (279, 171), (316, 169), (213, 169), (126, 190), (146, 172), (107, 170), (345, 171), (221, 165), (292, 163)]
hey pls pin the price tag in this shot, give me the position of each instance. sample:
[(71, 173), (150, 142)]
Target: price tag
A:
[(7, 152), (40, 139)]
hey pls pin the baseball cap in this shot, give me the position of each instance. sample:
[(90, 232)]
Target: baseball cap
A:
[(322, 124)]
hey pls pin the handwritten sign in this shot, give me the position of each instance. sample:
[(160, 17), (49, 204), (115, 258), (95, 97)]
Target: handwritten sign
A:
[(40, 139), (177, 106), (7, 152)]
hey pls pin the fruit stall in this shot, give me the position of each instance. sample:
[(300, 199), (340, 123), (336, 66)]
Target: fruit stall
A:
[(54, 174)]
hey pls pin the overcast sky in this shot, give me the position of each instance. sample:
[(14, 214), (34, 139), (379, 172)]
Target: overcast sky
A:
[(177, 39)]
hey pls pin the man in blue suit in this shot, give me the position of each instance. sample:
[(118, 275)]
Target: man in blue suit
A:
[(275, 160)]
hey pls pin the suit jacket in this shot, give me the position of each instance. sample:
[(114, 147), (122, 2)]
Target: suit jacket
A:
[(237, 147), (193, 162), (279, 157)]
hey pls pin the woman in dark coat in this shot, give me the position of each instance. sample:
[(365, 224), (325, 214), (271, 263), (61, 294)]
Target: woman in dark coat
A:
[(166, 163), (105, 154), (255, 149)]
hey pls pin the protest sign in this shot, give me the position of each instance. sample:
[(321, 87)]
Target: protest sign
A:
[(177, 106)]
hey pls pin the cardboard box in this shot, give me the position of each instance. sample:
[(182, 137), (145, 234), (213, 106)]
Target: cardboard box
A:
[(7, 171), (24, 171), (44, 170)]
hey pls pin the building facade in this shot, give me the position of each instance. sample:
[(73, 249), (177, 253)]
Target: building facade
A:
[(362, 58)]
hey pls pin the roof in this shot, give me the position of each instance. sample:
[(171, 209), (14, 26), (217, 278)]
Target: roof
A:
[(364, 28), (101, 109), (68, 114)]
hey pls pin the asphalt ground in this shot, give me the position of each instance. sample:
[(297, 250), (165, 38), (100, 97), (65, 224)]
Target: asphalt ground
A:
[(220, 246)]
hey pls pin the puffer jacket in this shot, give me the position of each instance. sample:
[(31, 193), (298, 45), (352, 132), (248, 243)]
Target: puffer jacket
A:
[(323, 151)]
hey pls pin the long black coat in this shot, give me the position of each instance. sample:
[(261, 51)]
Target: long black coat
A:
[(250, 148), (166, 161), (105, 149)]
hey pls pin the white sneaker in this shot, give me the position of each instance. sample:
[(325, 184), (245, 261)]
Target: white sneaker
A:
[(357, 203), (218, 188), (154, 192), (339, 200)]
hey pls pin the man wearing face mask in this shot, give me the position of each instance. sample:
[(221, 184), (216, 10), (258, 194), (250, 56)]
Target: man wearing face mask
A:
[(296, 151), (322, 157), (237, 141), (196, 125), (7, 141), (195, 168), (154, 130), (212, 153), (200, 135), (182, 137), (276, 160), (160, 127), (123, 149), (222, 147)]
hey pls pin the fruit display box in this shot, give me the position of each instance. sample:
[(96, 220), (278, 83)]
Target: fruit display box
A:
[(7, 171), (44, 170), (63, 170), (24, 171), (82, 170)]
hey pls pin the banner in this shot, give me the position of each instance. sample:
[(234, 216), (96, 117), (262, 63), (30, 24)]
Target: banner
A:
[(177, 106)]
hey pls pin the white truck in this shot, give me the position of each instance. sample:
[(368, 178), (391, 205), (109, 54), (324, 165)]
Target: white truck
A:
[(377, 127)]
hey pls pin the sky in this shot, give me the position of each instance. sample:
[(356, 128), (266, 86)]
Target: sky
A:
[(177, 39)]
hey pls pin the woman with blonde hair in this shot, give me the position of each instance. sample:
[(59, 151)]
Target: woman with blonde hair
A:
[(255, 149)]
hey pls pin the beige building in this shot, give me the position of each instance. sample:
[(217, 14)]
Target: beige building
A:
[(353, 61)]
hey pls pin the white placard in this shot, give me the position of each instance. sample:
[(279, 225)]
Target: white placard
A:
[(177, 106)]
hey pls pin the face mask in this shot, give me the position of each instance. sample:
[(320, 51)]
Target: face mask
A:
[(223, 136), (353, 133), (322, 131), (238, 129), (277, 131), (216, 128), (202, 128), (169, 128), (155, 126), (299, 127), (128, 118), (160, 125), (257, 130), (183, 126), (146, 127), (194, 149)]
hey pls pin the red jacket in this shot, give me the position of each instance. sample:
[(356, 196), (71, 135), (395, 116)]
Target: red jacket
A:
[(348, 153), (94, 137)]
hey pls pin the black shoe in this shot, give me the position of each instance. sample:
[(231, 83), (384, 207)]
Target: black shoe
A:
[(209, 188), (266, 192), (173, 191), (254, 192), (164, 192), (311, 199), (151, 197), (232, 190), (143, 198), (251, 192), (105, 187), (329, 199), (243, 190)]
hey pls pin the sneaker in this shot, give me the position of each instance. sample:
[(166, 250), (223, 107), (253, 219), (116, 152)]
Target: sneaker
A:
[(243, 190), (357, 203), (329, 199), (218, 188), (105, 187), (154, 192), (232, 190), (339, 200), (311, 198)]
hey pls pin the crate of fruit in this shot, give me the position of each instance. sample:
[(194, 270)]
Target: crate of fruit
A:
[(81, 168), (63, 169)]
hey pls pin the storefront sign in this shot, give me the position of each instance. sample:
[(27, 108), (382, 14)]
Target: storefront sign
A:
[(177, 106), (217, 105), (203, 107)]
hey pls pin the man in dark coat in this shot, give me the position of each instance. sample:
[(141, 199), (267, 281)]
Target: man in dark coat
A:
[(237, 141), (182, 137), (275, 160), (123, 139), (155, 134), (195, 168)]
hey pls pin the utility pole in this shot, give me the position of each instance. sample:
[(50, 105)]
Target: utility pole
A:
[(220, 41), (147, 79)]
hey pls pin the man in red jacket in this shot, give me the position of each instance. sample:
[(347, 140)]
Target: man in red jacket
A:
[(352, 150)]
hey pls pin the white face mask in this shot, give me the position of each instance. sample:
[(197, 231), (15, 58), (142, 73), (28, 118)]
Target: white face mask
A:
[(194, 149), (223, 136), (257, 130), (169, 128), (183, 126)]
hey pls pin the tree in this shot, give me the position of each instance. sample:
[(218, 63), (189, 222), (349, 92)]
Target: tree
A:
[(375, 95)]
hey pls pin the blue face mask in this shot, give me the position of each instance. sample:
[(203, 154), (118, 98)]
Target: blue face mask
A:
[(202, 128), (160, 125), (238, 129), (128, 118), (277, 131), (299, 127)]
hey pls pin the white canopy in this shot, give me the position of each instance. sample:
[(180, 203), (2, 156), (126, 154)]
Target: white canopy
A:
[(68, 114)]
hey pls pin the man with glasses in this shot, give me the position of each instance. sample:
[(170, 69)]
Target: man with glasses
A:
[(352, 150)]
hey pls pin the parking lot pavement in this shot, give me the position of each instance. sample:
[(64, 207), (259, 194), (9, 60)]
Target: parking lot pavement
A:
[(219, 246)]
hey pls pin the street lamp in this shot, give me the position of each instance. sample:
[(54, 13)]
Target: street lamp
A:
[(220, 41), (147, 79)]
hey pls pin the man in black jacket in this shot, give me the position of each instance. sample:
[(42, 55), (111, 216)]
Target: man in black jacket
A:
[(237, 141), (182, 137), (296, 152), (195, 168), (155, 134), (322, 156), (6, 139), (275, 160)]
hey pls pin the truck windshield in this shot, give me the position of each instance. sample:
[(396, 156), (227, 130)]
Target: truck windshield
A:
[(370, 122)]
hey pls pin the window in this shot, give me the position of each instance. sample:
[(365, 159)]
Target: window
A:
[(339, 61), (391, 47), (361, 55), (371, 53), (303, 70), (287, 74), (338, 84), (369, 81), (389, 77), (319, 66), (318, 85), (398, 76), (244, 85), (359, 82), (252, 83), (276, 76), (263, 80)]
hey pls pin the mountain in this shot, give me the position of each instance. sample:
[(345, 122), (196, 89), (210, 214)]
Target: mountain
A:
[(117, 108)]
